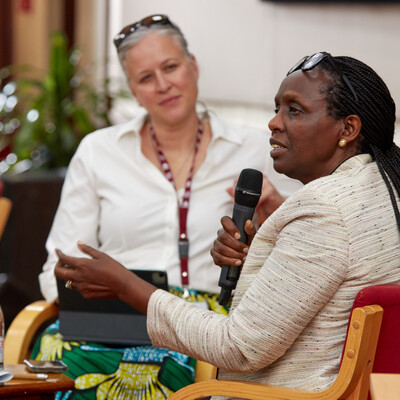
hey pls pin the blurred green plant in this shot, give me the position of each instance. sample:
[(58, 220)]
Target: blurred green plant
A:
[(42, 120)]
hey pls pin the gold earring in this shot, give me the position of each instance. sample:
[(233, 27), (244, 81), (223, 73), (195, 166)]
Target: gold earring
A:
[(342, 143)]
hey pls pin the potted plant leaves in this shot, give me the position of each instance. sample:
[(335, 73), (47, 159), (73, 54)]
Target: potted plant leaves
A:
[(43, 117)]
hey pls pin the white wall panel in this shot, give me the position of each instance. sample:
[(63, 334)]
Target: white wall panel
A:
[(245, 47)]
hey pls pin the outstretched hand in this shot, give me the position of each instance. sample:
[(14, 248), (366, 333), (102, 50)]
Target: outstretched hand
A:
[(227, 248), (102, 277)]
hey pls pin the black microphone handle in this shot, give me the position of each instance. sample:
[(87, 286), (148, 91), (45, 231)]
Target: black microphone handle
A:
[(230, 275)]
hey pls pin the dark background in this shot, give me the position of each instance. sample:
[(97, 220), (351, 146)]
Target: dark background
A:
[(35, 198)]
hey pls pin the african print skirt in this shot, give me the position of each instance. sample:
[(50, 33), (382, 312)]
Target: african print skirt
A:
[(140, 372)]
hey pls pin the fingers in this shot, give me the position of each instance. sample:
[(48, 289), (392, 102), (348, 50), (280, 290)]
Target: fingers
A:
[(93, 291), (61, 271), (250, 230), (70, 272), (231, 192), (67, 266), (99, 276), (225, 255), (74, 262), (229, 227), (89, 250), (227, 249), (67, 261)]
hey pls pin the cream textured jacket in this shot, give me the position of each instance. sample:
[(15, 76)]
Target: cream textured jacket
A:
[(288, 320)]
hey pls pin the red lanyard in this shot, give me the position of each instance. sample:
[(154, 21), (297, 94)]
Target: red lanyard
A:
[(183, 241)]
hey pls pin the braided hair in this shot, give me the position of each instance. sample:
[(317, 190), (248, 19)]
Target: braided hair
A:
[(377, 112)]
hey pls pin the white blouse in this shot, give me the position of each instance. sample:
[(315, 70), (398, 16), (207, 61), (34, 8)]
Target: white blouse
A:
[(116, 200)]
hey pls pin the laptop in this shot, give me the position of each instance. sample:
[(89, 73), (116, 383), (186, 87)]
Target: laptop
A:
[(105, 321)]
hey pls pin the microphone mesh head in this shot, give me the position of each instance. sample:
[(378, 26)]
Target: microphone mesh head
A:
[(248, 188)]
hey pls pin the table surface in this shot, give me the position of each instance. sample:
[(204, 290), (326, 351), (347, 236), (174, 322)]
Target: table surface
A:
[(385, 386), (54, 383)]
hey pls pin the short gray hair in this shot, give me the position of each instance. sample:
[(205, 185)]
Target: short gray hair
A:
[(141, 32)]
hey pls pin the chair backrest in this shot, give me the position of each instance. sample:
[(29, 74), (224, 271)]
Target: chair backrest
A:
[(5, 208), (349, 385), (353, 379), (387, 356)]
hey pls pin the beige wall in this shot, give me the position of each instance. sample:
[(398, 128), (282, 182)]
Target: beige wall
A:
[(31, 31), (85, 13)]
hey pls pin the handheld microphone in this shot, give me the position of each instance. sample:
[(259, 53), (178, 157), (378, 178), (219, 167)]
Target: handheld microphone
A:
[(247, 194)]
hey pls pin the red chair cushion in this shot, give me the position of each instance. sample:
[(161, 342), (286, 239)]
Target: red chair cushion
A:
[(387, 357)]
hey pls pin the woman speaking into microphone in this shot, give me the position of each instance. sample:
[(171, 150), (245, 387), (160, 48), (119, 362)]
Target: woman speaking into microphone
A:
[(333, 130)]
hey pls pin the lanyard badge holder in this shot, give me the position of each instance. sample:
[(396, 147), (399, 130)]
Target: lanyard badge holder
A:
[(183, 241), (183, 244)]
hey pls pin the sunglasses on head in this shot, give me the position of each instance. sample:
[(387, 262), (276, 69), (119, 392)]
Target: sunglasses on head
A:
[(157, 19), (309, 62)]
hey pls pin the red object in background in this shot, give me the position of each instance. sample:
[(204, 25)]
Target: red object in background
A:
[(4, 152), (25, 5)]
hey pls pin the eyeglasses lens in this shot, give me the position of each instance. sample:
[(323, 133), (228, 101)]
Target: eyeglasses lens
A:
[(297, 65), (148, 21), (309, 62), (154, 19), (312, 61)]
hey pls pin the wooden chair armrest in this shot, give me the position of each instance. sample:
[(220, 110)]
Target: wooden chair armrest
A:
[(22, 329), (205, 371), (244, 390), (5, 208), (350, 384)]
